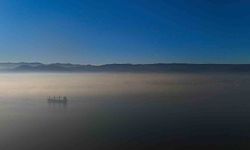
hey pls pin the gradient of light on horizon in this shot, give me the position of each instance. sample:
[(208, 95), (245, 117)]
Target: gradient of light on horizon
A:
[(131, 31)]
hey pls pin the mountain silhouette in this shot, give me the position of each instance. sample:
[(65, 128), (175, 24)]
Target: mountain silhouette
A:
[(160, 67)]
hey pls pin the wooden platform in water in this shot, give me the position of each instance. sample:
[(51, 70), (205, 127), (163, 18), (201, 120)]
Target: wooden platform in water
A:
[(59, 99)]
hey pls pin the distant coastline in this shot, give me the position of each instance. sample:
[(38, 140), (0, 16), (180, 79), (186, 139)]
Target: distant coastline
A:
[(158, 67)]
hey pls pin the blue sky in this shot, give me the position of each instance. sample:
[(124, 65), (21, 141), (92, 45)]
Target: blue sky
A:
[(128, 31)]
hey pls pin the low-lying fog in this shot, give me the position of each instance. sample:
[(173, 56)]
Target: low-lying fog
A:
[(124, 111)]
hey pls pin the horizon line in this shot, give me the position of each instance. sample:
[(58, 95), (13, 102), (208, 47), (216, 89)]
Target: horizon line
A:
[(157, 63)]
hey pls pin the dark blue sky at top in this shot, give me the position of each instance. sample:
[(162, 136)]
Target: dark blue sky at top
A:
[(125, 31)]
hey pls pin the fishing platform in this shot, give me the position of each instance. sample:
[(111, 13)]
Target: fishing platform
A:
[(59, 99)]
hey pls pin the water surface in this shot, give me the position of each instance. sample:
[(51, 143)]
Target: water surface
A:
[(125, 111)]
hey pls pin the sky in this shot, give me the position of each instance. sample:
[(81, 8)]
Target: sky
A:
[(125, 31)]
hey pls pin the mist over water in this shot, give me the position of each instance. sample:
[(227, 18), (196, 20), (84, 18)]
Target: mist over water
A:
[(124, 111)]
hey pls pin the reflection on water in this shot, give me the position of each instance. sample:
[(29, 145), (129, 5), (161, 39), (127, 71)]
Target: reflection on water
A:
[(57, 104), (125, 111)]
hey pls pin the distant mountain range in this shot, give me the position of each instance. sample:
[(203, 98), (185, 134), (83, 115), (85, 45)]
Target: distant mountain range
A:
[(160, 68)]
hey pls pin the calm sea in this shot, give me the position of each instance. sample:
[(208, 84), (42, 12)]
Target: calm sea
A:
[(122, 111)]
